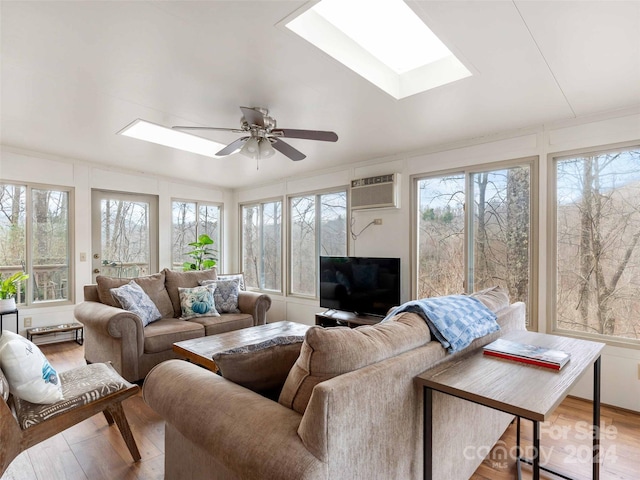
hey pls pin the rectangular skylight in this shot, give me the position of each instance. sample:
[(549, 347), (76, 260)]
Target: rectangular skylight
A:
[(384, 41), (152, 132)]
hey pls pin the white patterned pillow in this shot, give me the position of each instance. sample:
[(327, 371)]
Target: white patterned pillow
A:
[(233, 276), (135, 300), (198, 302), (226, 296), (28, 372)]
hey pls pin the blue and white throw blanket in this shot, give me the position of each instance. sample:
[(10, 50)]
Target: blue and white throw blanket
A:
[(455, 320)]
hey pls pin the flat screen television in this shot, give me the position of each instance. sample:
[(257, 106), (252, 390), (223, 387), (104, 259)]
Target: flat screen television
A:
[(362, 285)]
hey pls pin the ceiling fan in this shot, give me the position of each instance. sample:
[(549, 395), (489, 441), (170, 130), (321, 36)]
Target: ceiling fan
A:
[(262, 138)]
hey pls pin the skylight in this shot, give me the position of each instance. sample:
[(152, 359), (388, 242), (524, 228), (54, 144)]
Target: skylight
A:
[(384, 41), (151, 132)]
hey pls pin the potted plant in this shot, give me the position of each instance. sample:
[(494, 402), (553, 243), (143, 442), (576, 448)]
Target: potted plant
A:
[(203, 255), (9, 289)]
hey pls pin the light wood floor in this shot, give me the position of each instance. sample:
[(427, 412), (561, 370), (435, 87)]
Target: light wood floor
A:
[(92, 450)]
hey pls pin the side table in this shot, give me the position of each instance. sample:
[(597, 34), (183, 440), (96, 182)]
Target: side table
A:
[(13, 312), (516, 388)]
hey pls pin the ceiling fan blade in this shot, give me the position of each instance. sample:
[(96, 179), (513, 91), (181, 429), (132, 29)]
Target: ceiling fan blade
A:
[(252, 116), (288, 150), (305, 134), (235, 130), (232, 147)]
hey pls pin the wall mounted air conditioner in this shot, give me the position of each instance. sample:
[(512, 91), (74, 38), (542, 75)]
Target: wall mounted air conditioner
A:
[(375, 192)]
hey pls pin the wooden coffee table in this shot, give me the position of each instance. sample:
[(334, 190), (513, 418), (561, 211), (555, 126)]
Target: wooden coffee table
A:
[(201, 350), (516, 388)]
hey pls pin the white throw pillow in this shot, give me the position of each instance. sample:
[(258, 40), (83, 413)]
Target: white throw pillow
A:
[(28, 371)]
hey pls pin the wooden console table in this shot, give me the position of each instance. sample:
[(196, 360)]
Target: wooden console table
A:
[(334, 318), (513, 387)]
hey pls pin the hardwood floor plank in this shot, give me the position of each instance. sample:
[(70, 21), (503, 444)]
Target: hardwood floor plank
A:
[(53, 459)]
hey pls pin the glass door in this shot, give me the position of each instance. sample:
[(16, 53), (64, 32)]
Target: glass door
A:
[(124, 234)]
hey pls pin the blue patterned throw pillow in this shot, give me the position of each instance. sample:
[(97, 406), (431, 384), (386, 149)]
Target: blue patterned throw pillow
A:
[(135, 300), (233, 276), (198, 302), (226, 296)]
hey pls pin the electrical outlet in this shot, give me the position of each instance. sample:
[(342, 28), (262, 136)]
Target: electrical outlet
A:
[(27, 322), (377, 221)]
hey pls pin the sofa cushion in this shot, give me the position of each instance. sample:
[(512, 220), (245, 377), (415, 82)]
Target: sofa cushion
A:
[(233, 276), (135, 300), (198, 302), (29, 374), (494, 298), (329, 352), (262, 366), (190, 279), (225, 295), (161, 335), (153, 285), (227, 322)]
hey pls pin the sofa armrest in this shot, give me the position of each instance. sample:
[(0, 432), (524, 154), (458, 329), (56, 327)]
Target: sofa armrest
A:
[(256, 304), (252, 436), (111, 334)]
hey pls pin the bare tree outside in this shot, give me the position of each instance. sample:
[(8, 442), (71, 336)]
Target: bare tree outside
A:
[(597, 235), (497, 228), (318, 226), (190, 220), (262, 245), (47, 261)]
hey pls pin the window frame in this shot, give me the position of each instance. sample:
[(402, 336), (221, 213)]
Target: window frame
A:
[(318, 221), (71, 274), (283, 245), (552, 242), (219, 246), (467, 171)]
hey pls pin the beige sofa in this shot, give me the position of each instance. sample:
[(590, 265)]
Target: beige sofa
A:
[(116, 335), (365, 423)]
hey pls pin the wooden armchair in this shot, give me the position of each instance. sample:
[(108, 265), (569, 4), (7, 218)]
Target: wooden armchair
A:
[(87, 390)]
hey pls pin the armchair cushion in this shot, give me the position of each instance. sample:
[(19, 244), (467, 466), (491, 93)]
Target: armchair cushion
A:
[(80, 386), (190, 279), (29, 374), (135, 300), (153, 285), (329, 352)]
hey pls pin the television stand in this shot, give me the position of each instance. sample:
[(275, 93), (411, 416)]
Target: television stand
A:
[(337, 318)]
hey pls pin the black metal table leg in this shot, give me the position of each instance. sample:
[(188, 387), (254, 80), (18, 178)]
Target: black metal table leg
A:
[(596, 420), (427, 423)]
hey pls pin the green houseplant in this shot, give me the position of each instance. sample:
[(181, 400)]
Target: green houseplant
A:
[(203, 254), (9, 289)]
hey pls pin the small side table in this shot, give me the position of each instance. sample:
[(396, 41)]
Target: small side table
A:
[(66, 327), (13, 312)]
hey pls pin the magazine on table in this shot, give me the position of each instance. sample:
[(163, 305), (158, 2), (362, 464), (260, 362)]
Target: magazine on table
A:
[(526, 353)]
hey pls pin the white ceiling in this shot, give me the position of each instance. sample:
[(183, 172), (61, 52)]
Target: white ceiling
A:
[(74, 73)]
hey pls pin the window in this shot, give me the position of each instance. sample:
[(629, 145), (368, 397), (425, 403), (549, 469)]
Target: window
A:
[(35, 238), (463, 249), (318, 226), (189, 221), (597, 234), (262, 245)]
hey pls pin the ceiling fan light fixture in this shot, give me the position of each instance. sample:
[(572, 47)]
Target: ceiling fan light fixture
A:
[(251, 148), (265, 149)]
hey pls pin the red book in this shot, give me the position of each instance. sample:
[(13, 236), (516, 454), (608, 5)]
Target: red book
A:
[(525, 353)]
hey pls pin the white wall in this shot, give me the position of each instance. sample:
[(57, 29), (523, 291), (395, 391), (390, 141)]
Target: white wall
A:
[(620, 382), (621, 385)]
